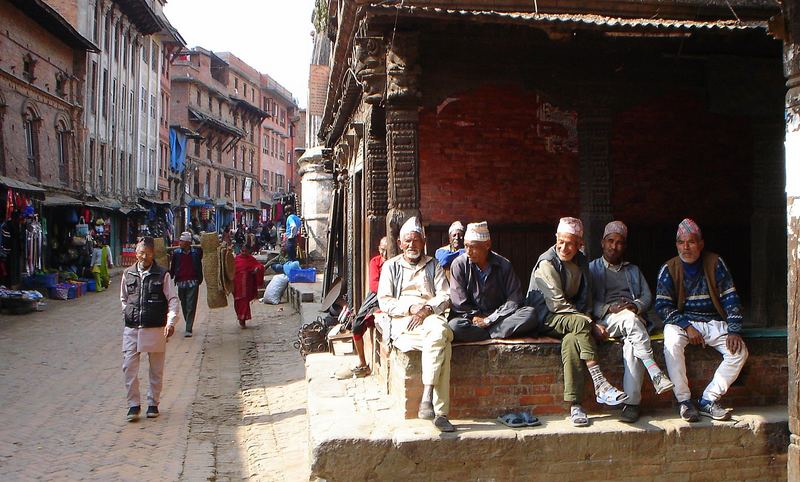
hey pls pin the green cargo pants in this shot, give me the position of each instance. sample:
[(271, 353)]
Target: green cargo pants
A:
[(577, 344)]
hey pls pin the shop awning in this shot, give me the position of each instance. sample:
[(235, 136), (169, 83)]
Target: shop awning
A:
[(105, 203), (197, 202), (155, 201), (131, 208), (22, 186), (51, 200)]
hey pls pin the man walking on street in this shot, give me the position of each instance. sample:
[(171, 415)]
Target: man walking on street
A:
[(149, 308), (186, 269)]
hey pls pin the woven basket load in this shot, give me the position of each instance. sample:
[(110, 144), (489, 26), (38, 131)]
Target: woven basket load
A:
[(227, 267), (161, 252), (215, 296)]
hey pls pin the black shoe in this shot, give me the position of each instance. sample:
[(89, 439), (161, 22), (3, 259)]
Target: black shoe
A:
[(630, 413), (152, 411), (689, 412), (133, 413), (443, 424)]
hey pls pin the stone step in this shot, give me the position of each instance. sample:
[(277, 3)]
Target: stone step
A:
[(357, 433)]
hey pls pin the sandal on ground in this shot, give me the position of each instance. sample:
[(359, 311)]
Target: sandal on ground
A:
[(611, 396), (512, 420), (578, 417), (530, 419), (354, 372)]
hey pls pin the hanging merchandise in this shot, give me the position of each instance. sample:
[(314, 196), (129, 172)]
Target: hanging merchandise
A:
[(81, 229), (33, 247), (9, 203)]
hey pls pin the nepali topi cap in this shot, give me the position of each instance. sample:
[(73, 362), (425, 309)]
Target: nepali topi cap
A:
[(456, 226), (477, 232), (616, 227), (412, 226), (570, 225), (688, 227), (186, 236)]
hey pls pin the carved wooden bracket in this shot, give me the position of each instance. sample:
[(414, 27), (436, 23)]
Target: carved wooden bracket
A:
[(403, 70)]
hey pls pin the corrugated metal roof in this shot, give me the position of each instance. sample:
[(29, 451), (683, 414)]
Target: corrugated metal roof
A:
[(589, 20)]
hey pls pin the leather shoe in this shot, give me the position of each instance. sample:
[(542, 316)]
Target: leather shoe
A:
[(630, 413), (443, 424)]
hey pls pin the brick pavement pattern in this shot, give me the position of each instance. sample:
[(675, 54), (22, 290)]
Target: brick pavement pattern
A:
[(233, 404)]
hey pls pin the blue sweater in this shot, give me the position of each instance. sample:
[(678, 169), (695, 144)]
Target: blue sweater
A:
[(698, 307)]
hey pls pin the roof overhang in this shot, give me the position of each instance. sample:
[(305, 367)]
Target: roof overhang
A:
[(569, 20), (53, 22), (142, 15), (217, 124), (250, 108), (57, 199), (19, 185)]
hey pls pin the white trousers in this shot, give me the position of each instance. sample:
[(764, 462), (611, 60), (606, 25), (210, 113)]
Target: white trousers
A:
[(627, 325), (434, 339), (130, 368), (715, 334)]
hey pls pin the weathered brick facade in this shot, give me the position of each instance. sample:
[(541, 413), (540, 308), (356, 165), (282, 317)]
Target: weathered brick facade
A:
[(41, 93)]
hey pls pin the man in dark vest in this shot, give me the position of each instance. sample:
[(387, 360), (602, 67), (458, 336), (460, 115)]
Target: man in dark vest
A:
[(149, 307), (560, 291), (698, 302), (186, 269)]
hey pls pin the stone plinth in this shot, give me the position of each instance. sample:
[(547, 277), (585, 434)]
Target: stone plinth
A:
[(357, 433), (489, 380)]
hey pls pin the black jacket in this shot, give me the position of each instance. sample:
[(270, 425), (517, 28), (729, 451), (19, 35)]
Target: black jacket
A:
[(145, 305)]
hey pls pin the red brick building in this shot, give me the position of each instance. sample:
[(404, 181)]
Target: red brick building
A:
[(278, 139), (41, 94), (559, 113), (42, 75), (217, 96)]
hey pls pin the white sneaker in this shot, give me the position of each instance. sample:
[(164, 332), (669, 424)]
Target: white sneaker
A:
[(662, 383)]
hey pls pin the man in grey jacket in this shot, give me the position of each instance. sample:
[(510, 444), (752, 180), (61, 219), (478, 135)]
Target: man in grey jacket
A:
[(621, 298)]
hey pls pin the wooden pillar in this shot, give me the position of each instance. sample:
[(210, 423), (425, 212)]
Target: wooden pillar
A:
[(402, 132), (594, 131), (377, 182), (791, 65)]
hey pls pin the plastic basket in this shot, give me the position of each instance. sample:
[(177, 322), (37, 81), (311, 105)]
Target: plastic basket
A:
[(59, 292), (47, 280), (71, 292), (307, 275)]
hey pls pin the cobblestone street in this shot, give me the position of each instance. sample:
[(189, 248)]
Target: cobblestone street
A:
[(233, 405)]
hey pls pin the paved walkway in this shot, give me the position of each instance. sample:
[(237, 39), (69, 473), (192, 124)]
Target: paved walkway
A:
[(233, 404)]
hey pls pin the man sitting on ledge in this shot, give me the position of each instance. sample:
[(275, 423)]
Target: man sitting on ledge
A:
[(413, 292), (447, 254), (621, 300), (560, 291), (696, 298), (486, 295)]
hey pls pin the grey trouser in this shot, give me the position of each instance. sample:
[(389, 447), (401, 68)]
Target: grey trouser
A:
[(519, 324), (188, 297), (130, 368)]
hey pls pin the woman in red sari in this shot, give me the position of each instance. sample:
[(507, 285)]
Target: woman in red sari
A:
[(248, 277)]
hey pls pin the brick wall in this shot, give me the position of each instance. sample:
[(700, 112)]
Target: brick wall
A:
[(487, 381), (492, 153), (674, 151), (23, 36)]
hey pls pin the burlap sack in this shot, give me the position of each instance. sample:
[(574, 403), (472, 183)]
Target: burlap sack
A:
[(161, 252), (215, 296)]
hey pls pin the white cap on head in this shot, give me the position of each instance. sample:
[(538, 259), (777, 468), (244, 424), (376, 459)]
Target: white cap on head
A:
[(186, 236), (412, 226), (477, 232), (570, 225), (456, 226)]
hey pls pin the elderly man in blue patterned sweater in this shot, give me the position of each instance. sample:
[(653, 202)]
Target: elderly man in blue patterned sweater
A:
[(696, 298)]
